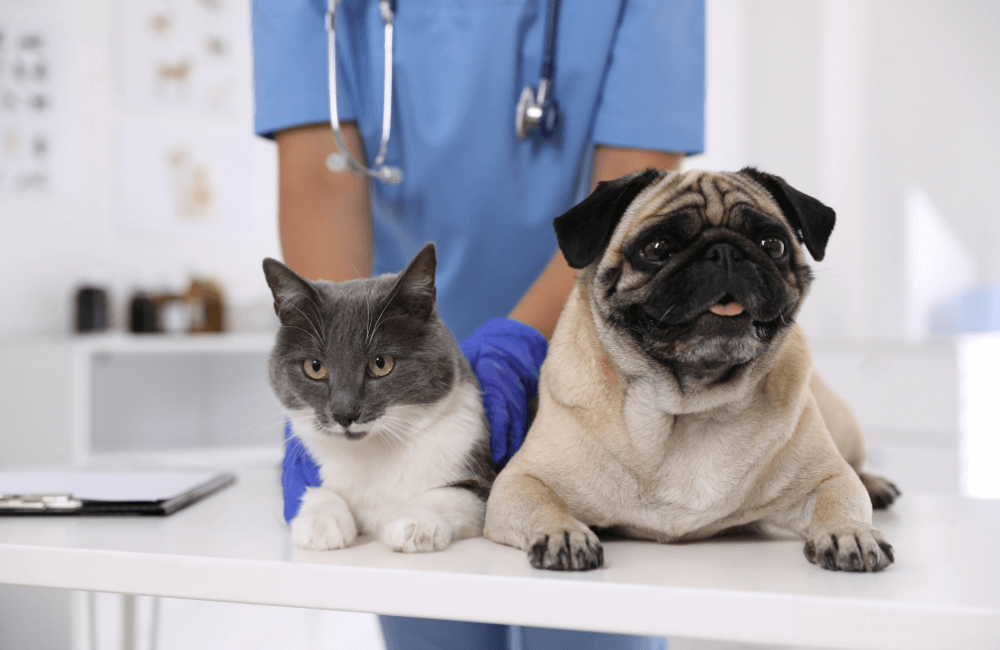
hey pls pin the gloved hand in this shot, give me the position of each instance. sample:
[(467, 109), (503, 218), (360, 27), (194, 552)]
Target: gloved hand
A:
[(298, 472), (505, 355)]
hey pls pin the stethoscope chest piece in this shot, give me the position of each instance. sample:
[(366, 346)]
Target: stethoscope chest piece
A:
[(531, 114), (540, 111), (338, 163)]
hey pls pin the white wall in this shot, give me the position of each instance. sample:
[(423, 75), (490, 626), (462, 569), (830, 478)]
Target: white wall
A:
[(849, 100), (855, 102), (935, 125), (49, 241)]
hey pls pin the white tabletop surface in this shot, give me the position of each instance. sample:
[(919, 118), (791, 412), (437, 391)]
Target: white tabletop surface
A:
[(943, 591)]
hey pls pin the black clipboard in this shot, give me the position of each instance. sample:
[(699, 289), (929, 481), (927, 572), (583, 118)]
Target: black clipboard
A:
[(140, 493)]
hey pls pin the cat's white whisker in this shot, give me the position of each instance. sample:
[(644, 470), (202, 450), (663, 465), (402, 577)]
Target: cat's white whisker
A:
[(472, 471), (322, 320), (403, 423), (312, 334), (401, 428), (401, 439), (307, 333), (397, 436), (319, 337), (368, 316), (387, 303), (403, 406), (381, 323)]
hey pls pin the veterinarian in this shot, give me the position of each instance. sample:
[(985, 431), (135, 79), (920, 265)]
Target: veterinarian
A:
[(454, 164)]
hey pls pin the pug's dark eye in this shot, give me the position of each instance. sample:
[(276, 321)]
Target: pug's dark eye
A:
[(656, 250), (773, 246), (381, 365), (314, 368)]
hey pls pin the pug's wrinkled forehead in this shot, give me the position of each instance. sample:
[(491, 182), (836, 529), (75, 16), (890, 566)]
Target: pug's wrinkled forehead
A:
[(621, 209), (694, 201)]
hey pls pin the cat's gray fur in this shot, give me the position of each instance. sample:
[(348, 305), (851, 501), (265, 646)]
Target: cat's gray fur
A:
[(404, 456)]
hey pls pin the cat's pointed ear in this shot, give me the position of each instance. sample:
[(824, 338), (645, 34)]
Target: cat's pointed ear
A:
[(292, 293), (804, 213), (414, 292)]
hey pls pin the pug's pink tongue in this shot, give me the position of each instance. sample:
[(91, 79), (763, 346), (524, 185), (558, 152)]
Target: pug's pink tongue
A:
[(732, 309)]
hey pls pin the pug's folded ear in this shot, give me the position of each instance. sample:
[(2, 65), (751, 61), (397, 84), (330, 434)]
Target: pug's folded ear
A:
[(804, 213), (584, 231)]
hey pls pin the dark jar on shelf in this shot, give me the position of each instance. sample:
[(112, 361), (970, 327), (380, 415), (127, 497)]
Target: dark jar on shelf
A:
[(91, 309), (142, 313)]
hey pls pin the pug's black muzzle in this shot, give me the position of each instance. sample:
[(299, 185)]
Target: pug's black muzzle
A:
[(718, 270)]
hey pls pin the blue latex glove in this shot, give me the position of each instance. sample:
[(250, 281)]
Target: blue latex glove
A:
[(505, 355), (298, 471)]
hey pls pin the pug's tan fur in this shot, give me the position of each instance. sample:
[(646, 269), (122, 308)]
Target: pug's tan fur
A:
[(619, 443)]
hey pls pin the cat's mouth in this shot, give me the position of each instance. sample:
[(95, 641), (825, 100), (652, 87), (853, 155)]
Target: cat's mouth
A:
[(345, 432), (337, 429)]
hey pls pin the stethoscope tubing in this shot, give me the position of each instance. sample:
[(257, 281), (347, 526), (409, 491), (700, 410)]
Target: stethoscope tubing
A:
[(343, 161), (548, 71), (335, 162)]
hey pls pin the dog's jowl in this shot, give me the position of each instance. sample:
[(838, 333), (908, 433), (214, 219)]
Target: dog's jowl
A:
[(678, 399)]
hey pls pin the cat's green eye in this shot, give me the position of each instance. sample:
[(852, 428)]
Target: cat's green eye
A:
[(314, 368), (381, 365)]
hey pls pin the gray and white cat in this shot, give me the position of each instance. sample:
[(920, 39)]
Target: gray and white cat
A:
[(383, 399)]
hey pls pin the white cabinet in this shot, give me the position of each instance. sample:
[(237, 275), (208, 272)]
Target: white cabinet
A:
[(76, 398), (92, 397)]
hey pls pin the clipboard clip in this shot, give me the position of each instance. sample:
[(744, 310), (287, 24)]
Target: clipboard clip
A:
[(39, 503)]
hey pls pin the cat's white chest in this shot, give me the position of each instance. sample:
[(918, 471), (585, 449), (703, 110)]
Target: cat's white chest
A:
[(408, 452), (376, 479)]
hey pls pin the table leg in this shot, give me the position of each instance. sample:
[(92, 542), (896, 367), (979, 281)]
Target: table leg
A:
[(128, 622), (154, 624)]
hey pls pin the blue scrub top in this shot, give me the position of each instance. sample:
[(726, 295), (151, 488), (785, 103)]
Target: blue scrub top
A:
[(629, 73)]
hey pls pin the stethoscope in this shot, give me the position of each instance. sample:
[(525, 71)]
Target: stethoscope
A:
[(534, 111), (541, 111)]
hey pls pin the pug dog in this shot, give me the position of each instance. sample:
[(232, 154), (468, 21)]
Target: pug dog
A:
[(678, 399)]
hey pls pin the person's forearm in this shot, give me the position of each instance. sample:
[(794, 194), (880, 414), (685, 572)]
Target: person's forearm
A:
[(614, 162), (541, 305), (324, 218)]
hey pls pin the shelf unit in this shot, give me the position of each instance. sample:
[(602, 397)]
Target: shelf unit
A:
[(76, 398)]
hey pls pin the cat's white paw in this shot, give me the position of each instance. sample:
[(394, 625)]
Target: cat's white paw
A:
[(323, 531), (417, 534)]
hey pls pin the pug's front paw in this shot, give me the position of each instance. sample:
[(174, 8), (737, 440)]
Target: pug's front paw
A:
[(566, 549), (850, 549), (323, 530), (417, 534)]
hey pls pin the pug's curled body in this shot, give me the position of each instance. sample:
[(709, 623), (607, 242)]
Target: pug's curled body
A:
[(385, 402), (678, 398)]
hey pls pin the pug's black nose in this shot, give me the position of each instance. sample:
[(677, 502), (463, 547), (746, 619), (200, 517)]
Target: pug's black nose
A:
[(345, 420), (723, 253)]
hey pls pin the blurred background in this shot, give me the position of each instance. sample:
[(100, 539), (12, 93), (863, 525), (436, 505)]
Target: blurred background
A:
[(130, 178)]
